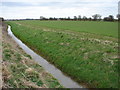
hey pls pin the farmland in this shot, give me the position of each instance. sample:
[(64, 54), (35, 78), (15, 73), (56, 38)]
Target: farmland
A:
[(102, 28), (84, 50)]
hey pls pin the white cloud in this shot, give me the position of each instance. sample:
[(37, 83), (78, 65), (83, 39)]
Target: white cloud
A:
[(64, 9)]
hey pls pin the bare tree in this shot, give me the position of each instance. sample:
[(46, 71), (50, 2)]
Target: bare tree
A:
[(79, 17), (42, 18), (96, 17)]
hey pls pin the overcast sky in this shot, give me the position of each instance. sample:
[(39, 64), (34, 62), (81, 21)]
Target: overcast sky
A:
[(16, 9)]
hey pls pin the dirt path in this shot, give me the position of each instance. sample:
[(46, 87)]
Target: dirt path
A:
[(19, 70)]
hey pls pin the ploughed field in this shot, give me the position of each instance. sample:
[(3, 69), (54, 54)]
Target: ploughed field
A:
[(85, 50)]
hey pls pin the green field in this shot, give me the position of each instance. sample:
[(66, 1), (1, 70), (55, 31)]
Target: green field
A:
[(102, 28), (84, 50)]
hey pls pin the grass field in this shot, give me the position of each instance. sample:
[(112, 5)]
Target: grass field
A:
[(86, 51), (102, 28)]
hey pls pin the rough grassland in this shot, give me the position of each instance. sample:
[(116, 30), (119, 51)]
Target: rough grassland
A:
[(20, 71), (88, 58)]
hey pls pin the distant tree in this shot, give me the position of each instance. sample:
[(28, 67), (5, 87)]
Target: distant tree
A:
[(84, 18), (68, 18), (50, 18), (42, 18), (1, 19), (96, 17), (118, 16), (75, 17), (79, 17), (111, 17), (106, 19), (55, 18), (61, 18), (89, 18), (65, 18)]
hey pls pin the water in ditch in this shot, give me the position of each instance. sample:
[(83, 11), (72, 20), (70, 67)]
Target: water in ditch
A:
[(64, 80)]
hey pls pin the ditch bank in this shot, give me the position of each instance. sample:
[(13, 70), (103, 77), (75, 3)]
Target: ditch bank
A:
[(66, 81), (19, 70)]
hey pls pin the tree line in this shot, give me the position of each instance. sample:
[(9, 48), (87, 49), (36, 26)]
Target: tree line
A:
[(95, 17)]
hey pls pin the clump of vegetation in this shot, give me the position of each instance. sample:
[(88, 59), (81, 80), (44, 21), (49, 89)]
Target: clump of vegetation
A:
[(87, 58), (20, 71)]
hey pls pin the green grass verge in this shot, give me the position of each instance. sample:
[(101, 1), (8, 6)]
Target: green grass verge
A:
[(20, 71), (87, 58)]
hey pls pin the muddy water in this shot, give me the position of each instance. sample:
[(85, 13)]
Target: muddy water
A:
[(64, 80)]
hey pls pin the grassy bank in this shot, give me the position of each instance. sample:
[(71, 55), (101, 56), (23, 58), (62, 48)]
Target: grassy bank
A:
[(88, 58), (20, 71)]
